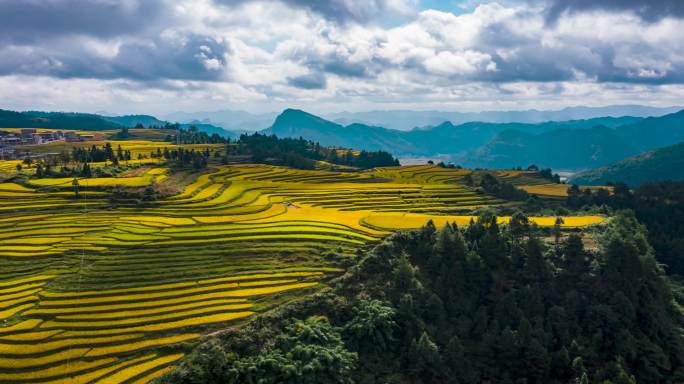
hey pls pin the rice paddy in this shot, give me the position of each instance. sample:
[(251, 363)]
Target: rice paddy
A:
[(90, 292)]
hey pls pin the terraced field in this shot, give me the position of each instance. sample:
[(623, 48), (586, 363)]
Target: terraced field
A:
[(532, 183), (95, 293)]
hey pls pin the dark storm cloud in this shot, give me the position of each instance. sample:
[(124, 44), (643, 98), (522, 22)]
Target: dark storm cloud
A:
[(341, 11), (314, 80), (651, 10), (27, 21), (186, 57)]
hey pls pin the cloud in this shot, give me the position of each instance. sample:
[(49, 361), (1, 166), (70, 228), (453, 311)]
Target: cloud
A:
[(297, 52), (314, 80), (651, 10), (360, 11), (170, 56), (31, 21)]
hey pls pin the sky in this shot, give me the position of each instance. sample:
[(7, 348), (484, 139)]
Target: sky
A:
[(162, 56)]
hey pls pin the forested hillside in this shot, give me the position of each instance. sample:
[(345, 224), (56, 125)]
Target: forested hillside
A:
[(481, 303), (659, 165), (94, 122)]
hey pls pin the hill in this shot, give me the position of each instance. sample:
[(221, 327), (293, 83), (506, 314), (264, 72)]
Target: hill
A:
[(94, 122), (558, 149), (573, 146), (659, 165), (295, 123), (56, 120), (445, 138), (655, 132), (133, 120), (235, 121), (405, 120), (469, 304)]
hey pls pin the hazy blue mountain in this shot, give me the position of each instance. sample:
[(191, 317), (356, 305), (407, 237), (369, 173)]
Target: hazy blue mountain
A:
[(561, 149), (573, 149), (210, 129), (133, 120), (236, 121), (297, 123), (659, 165), (447, 138), (655, 132), (444, 138), (406, 119)]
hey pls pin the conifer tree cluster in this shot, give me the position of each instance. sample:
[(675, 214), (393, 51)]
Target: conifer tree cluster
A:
[(486, 303)]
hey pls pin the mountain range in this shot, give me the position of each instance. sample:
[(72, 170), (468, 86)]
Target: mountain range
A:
[(406, 120), (563, 145), (234, 121), (571, 145), (659, 165)]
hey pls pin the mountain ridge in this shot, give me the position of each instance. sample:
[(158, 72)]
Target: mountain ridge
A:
[(91, 122), (658, 165)]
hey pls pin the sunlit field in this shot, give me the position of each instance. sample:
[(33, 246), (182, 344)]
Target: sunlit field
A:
[(91, 290)]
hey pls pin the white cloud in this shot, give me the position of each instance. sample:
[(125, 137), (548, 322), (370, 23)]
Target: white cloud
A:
[(466, 62), (292, 52)]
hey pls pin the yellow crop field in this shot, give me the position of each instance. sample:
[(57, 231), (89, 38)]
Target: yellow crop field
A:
[(29, 336), (136, 370), (166, 326), (20, 290), (7, 313), (94, 375), (10, 303), (131, 306), (140, 181), (60, 344), (93, 291), (106, 351), (32, 361), (55, 372), (148, 378), (555, 190), (408, 221), (174, 310), (20, 326)]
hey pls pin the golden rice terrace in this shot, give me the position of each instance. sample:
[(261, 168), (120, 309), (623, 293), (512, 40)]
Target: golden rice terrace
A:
[(95, 292)]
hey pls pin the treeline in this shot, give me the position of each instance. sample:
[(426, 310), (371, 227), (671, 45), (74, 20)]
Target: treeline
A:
[(659, 206), (481, 304), (491, 185), (198, 159), (301, 153), (99, 154), (62, 164), (546, 173), (193, 135), (55, 120)]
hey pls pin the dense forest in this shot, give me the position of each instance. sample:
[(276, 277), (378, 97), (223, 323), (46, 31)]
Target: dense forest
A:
[(192, 135), (485, 303), (658, 205), (301, 153)]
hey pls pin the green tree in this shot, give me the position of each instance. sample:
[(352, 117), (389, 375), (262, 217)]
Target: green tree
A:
[(373, 326), (424, 358), (519, 225), (75, 185), (557, 226), (404, 276), (310, 351)]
